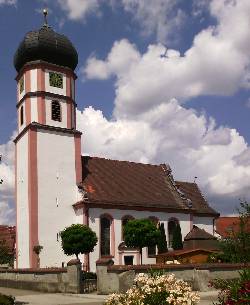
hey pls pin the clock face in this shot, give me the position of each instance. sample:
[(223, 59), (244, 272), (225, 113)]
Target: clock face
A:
[(56, 80), (21, 84)]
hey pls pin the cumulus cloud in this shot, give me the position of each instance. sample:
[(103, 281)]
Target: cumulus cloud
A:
[(160, 17), (79, 9), (7, 187), (150, 125), (217, 63), (8, 2)]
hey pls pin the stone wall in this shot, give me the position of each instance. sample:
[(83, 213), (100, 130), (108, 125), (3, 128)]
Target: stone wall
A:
[(117, 278), (44, 279)]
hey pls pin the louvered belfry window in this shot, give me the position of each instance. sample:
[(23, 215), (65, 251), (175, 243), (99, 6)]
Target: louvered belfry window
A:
[(56, 111)]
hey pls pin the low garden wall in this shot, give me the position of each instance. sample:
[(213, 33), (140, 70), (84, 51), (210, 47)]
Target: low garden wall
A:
[(45, 279), (118, 278)]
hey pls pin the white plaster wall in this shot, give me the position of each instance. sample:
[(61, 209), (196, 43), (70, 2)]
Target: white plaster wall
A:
[(57, 192), (33, 80), (205, 223), (22, 202), (94, 223), (49, 121), (34, 111), (55, 90)]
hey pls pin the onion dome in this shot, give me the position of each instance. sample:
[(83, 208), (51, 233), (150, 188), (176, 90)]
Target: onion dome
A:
[(47, 45)]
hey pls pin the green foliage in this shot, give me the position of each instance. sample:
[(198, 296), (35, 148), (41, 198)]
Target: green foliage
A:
[(177, 238), (140, 233), (159, 298), (234, 291), (89, 276), (236, 247), (162, 244), (78, 239), (6, 300), (6, 257)]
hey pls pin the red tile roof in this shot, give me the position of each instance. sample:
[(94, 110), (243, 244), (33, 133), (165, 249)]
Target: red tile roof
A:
[(226, 225), (8, 234), (192, 191), (129, 185)]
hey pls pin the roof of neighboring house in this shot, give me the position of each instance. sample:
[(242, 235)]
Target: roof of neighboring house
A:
[(198, 233), (226, 225), (136, 185), (8, 234)]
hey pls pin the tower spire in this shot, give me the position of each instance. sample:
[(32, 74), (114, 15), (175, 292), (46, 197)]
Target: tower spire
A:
[(45, 14)]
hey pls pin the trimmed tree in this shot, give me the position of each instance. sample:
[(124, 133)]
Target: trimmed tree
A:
[(140, 233), (162, 244), (177, 238), (78, 239)]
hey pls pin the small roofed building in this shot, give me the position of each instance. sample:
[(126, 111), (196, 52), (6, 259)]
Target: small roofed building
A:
[(198, 238), (198, 245), (184, 256)]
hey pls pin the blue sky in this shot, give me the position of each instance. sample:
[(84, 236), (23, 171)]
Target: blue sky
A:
[(189, 109)]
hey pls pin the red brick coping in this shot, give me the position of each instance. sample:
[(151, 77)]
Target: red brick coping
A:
[(138, 268), (34, 270)]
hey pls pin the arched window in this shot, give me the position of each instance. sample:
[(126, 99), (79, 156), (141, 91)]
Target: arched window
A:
[(105, 235), (56, 111), (21, 116), (125, 219), (171, 227), (152, 249)]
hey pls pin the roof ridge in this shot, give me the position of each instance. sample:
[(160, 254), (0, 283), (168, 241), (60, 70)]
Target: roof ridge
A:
[(125, 161)]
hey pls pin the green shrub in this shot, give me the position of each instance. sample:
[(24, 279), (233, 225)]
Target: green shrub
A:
[(89, 276), (6, 300)]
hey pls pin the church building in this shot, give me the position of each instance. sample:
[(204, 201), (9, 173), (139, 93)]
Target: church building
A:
[(56, 186)]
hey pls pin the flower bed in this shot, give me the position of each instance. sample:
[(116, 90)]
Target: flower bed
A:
[(234, 291), (156, 289)]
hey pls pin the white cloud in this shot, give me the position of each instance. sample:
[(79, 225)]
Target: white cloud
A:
[(150, 125), (79, 9), (7, 187), (8, 2), (6, 214), (160, 17), (216, 64)]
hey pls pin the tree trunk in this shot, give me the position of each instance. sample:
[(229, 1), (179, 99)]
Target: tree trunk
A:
[(141, 255)]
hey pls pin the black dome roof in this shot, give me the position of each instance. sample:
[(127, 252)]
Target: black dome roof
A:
[(45, 44)]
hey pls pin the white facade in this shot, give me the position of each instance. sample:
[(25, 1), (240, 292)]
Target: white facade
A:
[(56, 192), (117, 215), (22, 235)]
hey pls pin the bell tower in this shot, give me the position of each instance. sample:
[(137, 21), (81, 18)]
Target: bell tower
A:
[(48, 146)]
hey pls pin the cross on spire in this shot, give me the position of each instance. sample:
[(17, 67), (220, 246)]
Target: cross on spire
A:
[(45, 14)]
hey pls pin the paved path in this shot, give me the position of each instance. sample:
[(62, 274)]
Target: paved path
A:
[(38, 298)]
